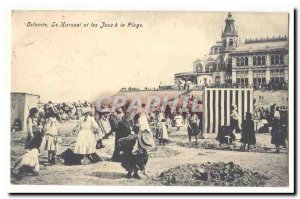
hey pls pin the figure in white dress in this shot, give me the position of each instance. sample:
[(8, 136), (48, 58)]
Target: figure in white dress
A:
[(143, 121), (86, 142), (178, 121)]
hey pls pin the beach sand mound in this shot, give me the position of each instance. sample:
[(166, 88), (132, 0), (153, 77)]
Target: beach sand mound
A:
[(162, 151), (226, 147), (212, 174)]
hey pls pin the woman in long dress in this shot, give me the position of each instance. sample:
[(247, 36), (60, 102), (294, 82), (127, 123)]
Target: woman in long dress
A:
[(248, 133), (86, 141), (278, 133)]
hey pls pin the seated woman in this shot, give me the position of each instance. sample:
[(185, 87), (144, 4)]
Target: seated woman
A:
[(26, 164)]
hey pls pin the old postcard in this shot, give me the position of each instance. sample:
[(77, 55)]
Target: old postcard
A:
[(192, 100)]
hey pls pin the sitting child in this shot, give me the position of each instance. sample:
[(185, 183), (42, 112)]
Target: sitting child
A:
[(28, 163)]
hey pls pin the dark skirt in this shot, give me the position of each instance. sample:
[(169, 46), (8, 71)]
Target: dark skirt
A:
[(136, 162), (248, 133), (248, 138), (278, 138), (234, 125), (34, 142), (194, 130)]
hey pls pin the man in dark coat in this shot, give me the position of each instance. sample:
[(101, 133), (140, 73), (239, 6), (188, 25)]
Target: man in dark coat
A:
[(248, 133)]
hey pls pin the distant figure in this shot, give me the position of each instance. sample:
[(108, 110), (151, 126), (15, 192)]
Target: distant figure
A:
[(193, 126), (27, 164), (178, 121), (163, 132), (278, 133), (248, 133), (234, 123), (34, 136)]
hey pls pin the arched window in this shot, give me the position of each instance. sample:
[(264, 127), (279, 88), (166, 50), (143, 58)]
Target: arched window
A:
[(230, 42), (199, 68)]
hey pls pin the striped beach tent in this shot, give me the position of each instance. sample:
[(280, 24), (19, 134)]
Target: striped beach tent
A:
[(217, 106)]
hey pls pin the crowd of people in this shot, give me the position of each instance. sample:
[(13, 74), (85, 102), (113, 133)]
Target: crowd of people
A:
[(276, 123), (134, 132), (260, 86)]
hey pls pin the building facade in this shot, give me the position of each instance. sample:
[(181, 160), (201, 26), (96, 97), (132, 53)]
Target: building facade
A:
[(254, 62)]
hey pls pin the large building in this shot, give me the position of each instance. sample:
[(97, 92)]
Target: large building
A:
[(254, 62)]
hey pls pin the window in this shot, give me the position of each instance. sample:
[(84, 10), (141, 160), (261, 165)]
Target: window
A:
[(242, 77), (277, 59), (277, 75), (242, 61), (259, 60), (259, 77), (254, 61), (263, 60), (281, 59), (230, 42)]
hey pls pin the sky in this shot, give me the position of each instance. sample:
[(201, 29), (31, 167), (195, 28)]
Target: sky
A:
[(70, 64)]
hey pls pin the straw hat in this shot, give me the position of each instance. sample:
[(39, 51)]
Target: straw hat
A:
[(146, 139), (86, 110)]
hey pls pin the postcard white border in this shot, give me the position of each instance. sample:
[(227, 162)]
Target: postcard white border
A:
[(136, 5)]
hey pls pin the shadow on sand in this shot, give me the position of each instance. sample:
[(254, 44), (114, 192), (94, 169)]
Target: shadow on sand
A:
[(108, 175)]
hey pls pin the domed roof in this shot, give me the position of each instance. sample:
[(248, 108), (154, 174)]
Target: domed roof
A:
[(229, 27)]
